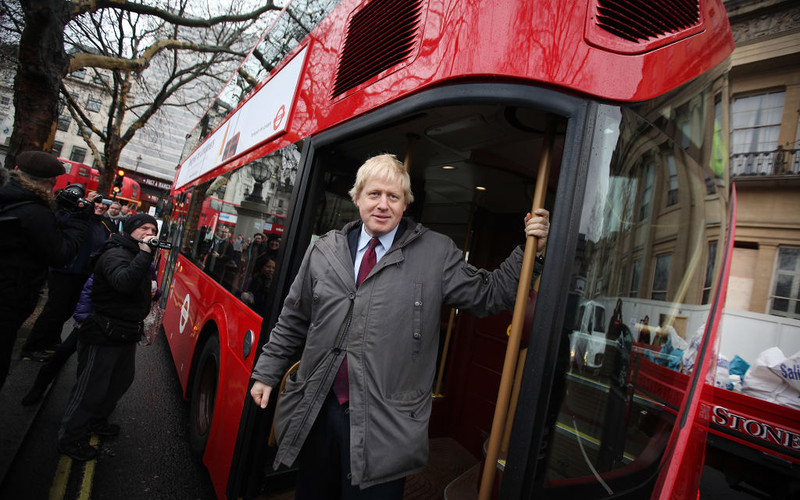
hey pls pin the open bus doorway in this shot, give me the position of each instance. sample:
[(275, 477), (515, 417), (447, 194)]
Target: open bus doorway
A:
[(473, 172)]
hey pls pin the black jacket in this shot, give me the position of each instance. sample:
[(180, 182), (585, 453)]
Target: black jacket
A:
[(32, 239), (122, 279)]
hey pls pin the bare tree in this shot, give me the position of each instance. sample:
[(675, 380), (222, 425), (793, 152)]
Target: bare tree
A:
[(161, 48)]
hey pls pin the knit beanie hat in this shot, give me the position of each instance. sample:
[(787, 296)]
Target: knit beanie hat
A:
[(130, 224), (40, 164)]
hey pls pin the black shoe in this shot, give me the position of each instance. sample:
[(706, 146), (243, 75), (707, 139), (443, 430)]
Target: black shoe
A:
[(105, 429), (33, 396), (40, 356), (79, 450)]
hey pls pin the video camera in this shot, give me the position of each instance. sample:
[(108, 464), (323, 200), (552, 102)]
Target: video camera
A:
[(158, 244), (71, 197)]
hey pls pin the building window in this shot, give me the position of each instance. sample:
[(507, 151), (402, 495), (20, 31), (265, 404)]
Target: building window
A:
[(5, 100), (711, 260), (79, 74), (661, 277), (785, 299), (756, 122), (93, 104), (672, 193), (78, 154), (57, 147), (63, 123), (636, 273), (647, 193), (101, 79)]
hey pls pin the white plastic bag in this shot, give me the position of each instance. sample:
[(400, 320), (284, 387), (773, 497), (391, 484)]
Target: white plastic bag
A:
[(765, 379)]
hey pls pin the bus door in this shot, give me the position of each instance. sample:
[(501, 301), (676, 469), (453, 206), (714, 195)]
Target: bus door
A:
[(638, 223)]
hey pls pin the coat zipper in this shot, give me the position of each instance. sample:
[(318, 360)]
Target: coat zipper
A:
[(339, 342)]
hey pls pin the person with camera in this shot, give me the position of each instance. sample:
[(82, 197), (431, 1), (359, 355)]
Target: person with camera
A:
[(64, 284), (33, 239), (121, 297)]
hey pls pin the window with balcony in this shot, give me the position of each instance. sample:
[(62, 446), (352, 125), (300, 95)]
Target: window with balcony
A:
[(755, 125), (785, 298), (78, 154)]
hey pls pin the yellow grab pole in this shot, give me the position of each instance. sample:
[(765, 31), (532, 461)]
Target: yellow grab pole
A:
[(517, 320)]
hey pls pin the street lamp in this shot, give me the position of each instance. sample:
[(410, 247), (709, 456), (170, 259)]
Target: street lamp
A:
[(260, 172)]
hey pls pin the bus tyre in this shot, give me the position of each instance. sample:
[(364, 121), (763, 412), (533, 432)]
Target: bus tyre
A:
[(203, 396)]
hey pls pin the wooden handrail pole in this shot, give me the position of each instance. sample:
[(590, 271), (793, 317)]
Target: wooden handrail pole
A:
[(517, 320)]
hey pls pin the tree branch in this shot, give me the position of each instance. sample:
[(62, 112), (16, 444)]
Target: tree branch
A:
[(89, 6), (139, 64)]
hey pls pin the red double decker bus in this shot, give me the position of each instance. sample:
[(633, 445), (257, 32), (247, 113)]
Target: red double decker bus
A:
[(602, 110), (78, 173)]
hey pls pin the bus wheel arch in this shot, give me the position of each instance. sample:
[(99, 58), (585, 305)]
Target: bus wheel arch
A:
[(203, 392)]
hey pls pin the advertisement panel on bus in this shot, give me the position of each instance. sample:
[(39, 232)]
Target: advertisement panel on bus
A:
[(480, 134)]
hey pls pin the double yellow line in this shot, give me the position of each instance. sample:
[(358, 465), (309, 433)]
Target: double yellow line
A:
[(58, 490)]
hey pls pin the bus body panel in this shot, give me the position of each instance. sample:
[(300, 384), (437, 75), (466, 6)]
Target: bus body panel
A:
[(555, 55), (450, 24), (194, 308)]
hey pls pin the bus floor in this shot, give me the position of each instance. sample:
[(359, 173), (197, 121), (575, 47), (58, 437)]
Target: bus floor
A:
[(447, 461)]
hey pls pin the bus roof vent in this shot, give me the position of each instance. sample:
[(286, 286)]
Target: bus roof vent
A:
[(645, 21), (380, 35)]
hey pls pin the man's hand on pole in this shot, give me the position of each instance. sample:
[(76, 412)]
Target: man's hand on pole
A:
[(538, 225)]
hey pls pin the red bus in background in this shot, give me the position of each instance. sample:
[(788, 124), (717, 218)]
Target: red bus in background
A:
[(273, 224), (217, 211), (78, 173), (620, 126)]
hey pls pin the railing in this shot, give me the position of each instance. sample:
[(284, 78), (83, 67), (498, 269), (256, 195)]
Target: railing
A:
[(778, 162)]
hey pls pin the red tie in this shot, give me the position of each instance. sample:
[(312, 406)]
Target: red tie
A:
[(341, 384)]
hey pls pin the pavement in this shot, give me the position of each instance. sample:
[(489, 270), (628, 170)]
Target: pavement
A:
[(15, 419)]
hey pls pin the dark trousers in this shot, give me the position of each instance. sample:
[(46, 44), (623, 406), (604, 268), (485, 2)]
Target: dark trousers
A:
[(12, 316), (104, 375), (50, 369), (325, 461), (63, 292)]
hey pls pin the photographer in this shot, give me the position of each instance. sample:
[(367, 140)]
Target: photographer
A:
[(64, 284), (121, 297), (32, 240)]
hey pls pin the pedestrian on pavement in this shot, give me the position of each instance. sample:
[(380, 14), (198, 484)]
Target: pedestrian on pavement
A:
[(364, 311), (64, 285), (121, 298), (33, 239), (113, 217), (51, 367)]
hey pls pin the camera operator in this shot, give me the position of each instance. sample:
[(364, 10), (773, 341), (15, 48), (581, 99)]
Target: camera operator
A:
[(32, 239), (121, 297), (64, 284)]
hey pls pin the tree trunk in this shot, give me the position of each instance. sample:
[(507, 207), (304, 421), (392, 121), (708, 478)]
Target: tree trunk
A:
[(42, 64)]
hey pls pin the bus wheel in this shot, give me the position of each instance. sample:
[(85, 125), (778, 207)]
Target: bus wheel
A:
[(203, 396)]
